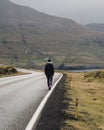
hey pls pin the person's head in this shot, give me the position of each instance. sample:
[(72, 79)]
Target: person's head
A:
[(49, 60)]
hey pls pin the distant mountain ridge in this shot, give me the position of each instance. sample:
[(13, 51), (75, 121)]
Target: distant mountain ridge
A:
[(96, 27), (29, 37)]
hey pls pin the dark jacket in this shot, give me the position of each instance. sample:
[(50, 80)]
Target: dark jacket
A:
[(49, 69)]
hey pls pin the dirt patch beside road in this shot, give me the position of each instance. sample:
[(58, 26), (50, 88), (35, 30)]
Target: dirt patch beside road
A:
[(53, 114)]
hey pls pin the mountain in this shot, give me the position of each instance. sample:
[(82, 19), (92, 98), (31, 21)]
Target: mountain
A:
[(29, 37), (96, 27), (12, 14)]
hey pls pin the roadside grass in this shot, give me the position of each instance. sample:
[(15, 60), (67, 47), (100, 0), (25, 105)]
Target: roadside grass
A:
[(6, 71), (12, 74), (89, 89)]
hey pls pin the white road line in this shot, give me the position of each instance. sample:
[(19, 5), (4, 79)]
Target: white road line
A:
[(35, 117)]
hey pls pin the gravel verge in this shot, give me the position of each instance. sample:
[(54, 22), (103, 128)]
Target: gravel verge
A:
[(53, 115)]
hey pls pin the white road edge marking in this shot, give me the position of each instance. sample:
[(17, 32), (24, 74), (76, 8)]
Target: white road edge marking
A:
[(42, 104)]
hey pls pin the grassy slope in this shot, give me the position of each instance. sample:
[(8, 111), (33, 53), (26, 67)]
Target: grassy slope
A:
[(46, 36), (89, 91), (70, 49)]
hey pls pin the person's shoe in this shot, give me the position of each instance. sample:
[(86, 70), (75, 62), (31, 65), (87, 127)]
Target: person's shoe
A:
[(49, 88)]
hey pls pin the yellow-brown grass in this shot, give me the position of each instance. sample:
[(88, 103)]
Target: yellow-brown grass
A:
[(9, 71), (90, 94)]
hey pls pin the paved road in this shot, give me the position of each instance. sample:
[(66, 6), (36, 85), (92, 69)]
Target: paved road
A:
[(19, 98)]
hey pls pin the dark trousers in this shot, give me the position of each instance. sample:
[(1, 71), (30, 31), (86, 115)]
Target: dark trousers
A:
[(49, 80)]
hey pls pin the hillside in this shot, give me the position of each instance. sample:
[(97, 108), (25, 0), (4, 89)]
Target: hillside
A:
[(13, 15), (29, 37)]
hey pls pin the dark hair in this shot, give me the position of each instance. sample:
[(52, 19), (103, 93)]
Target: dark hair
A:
[(49, 60)]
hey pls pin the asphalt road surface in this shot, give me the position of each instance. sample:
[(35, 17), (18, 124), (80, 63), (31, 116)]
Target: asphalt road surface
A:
[(19, 98)]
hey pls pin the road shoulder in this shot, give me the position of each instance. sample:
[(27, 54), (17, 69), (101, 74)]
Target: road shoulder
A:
[(52, 115)]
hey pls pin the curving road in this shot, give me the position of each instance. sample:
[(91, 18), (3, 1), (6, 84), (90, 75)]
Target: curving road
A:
[(19, 98)]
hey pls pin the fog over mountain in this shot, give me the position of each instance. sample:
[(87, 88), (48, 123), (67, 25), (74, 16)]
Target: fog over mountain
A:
[(82, 11)]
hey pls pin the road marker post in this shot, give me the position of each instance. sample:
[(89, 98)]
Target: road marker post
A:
[(76, 113)]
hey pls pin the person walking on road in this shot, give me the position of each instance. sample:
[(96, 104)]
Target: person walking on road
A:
[(49, 72)]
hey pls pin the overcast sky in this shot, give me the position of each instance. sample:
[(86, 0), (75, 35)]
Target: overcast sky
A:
[(81, 11)]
